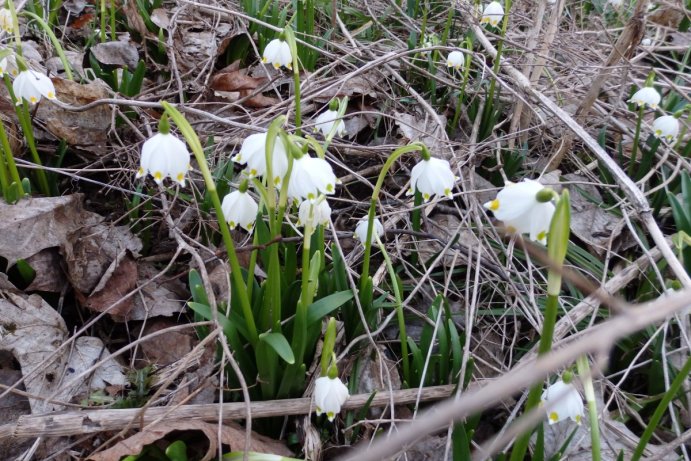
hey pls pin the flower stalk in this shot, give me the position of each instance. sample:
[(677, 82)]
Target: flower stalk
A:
[(587, 380), (290, 38), (636, 138), (556, 250), (235, 270)]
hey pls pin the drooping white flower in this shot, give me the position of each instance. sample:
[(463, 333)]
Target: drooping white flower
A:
[(310, 177), (646, 96), (165, 156), (8, 64), (455, 60), (253, 153), (277, 53), (361, 230), (314, 213), (239, 209), (329, 395), (6, 20), (31, 86), (646, 42), (666, 127), (517, 206), (325, 122), (565, 402), (430, 177), (493, 13)]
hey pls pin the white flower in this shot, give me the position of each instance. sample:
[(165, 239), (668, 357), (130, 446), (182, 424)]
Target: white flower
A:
[(455, 60), (615, 3), (325, 122), (329, 396), (493, 13), (165, 156), (277, 52), (253, 152), (646, 42), (517, 206), (666, 127), (9, 64), (309, 177), (6, 20), (314, 213), (239, 209), (31, 85), (361, 230), (567, 402), (430, 177), (646, 96)]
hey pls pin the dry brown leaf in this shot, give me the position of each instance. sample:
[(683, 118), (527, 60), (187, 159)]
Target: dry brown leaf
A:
[(164, 349), (89, 128), (49, 276), (118, 53), (591, 223), (160, 297), (423, 129), (235, 81), (32, 331), (90, 250), (40, 223), (13, 406), (232, 435), (119, 279)]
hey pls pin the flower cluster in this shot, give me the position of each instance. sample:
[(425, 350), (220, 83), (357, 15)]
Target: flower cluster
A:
[(518, 206)]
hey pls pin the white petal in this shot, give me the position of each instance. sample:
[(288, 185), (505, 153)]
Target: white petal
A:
[(361, 230), (239, 208), (564, 401), (515, 200), (666, 127), (492, 14), (646, 96), (314, 212), (325, 122), (540, 219), (455, 60)]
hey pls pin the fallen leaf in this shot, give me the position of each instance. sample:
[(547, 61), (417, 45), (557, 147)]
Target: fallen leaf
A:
[(90, 250), (591, 222), (74, 6), (39, 223), (160, 297), (87, 351), (160, 17), (235, 81), (89, 128), (32, 331), (13, 406), (118, 53), (164, 349), (75, 59), (49, 276), (423, 129), (119, 279), (232, 435)]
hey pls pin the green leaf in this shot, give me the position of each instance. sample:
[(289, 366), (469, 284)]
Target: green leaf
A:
[(279, 343), (323, 307), (177, 451)]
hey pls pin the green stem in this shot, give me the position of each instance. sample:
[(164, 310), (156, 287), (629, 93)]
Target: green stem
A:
[(661, 408), (7, 150), (25, 122), (373, 204), (636, 138), (587, 380), (461, 94), (500, 49), (290, 37), (15, 26), (103, 21), (54, 40), (403, 336), (235, 270)]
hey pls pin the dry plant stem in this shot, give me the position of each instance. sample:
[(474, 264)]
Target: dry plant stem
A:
[(633, 193), (624, 48), (479, 398), (93, 421)]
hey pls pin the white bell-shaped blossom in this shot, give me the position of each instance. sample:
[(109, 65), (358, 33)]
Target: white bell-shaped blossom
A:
[(361, 230), (517, 206), (314, 213), (455, 60), (277, 53), (165, 156), (310, 177), (564, 402), (8, 64), (6, 20), (329, 395), (493, 13), (666, 127), (647, 96), (240, 209), (31, 86), (432, 177), (253, 153), (326, 121), (646, 42)]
